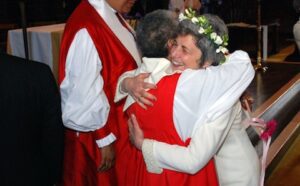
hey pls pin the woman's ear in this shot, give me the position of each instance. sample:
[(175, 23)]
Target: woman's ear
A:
[(170, 43)]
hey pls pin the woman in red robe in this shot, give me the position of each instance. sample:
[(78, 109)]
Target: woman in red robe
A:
[(153, 33)]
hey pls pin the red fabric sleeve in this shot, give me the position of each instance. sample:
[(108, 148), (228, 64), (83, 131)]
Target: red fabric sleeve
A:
[(102, 132)]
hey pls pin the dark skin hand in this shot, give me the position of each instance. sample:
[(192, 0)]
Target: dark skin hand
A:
[(108, 158)]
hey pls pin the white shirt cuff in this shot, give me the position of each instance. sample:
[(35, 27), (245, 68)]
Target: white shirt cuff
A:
[(151, 163), (106, 140), (120, 94)]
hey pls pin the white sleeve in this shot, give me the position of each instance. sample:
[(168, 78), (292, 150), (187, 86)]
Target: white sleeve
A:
[(203, 146), (119, 93), (203, 95), (84, 104)]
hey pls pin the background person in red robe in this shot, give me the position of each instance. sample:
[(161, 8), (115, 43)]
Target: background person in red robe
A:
[(97, 46)]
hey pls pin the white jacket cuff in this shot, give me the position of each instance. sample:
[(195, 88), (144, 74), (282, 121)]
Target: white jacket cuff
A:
[(150, 161), (119, 93)]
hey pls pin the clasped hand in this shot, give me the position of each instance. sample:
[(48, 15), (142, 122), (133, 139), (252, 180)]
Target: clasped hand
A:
[(137, 88), (108, 158), (136, 135)]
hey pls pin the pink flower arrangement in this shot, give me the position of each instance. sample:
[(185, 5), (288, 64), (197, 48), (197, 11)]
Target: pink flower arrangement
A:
[(269, 130)]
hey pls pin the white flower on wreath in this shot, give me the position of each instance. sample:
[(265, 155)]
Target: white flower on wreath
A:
[(201, 30), (218, 40), (222, 49), (188, 13), (213, 35), (182, 17), (194, 20), (206, 29)]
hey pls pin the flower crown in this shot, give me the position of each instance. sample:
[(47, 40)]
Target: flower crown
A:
[(206, 29)]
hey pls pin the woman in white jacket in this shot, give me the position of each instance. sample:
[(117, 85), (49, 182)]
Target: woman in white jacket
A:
[(212, 120)]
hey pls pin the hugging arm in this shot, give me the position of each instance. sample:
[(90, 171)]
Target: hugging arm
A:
[(203, 146), (208, 108), (134, 84)]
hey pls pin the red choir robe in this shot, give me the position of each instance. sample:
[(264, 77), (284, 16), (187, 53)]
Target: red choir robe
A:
[(82, 155), (157, 123)]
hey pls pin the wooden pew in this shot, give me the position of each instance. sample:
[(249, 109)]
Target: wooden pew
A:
[(277, 95)]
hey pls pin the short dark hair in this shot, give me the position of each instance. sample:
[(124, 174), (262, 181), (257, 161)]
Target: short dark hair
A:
[(154, 31)]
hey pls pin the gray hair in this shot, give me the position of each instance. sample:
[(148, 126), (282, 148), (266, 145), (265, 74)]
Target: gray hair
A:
[(154, 31), (207, 46)]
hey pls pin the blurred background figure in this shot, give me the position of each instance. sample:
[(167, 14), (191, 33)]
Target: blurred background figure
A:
[(296, 29), (176, 5), (194, 4), (137, 11), (151, 5), (211, 6)]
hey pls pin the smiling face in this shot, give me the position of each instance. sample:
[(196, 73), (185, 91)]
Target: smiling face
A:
[(121, 6), (184, 53)]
